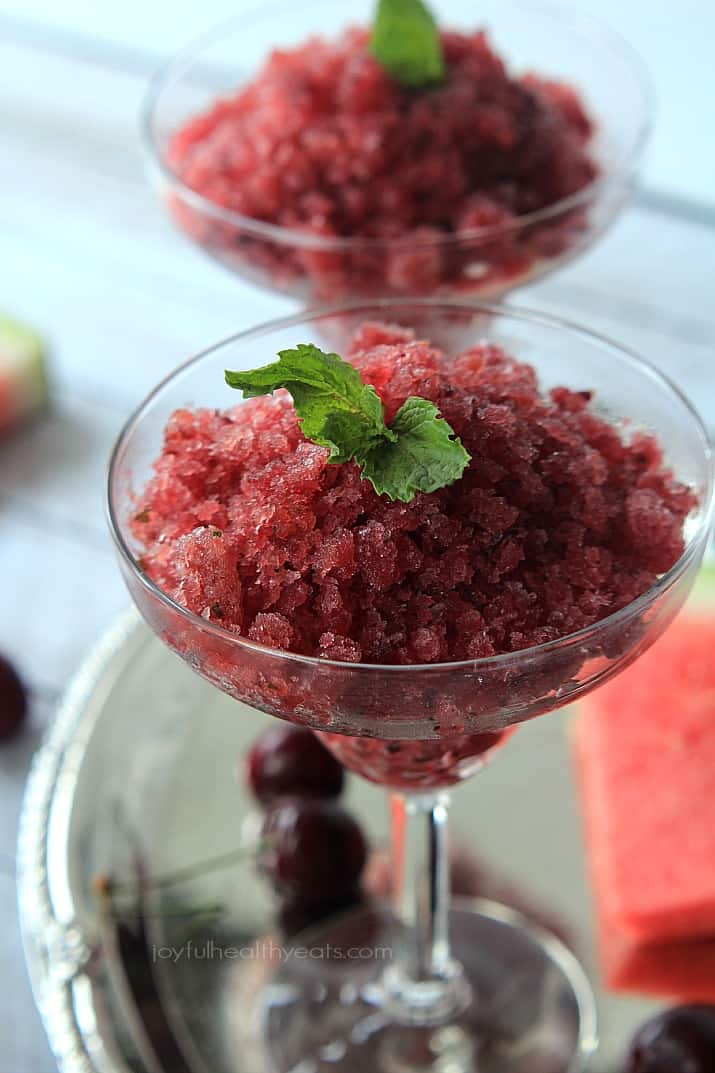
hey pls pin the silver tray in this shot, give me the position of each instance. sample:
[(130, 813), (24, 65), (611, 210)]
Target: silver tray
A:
[(140, 766)]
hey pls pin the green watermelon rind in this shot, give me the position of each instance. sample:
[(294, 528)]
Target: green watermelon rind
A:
[(23, 360), (703, 594)]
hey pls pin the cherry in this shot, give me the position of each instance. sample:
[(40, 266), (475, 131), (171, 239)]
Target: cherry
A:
[(295, 916), (290, 760), (681, 1040), (13, 700), (315, 850)]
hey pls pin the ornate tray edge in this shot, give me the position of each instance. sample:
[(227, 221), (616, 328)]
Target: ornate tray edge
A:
[(56, 953)]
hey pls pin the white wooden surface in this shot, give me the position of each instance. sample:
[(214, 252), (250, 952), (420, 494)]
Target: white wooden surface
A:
[(87, 257)]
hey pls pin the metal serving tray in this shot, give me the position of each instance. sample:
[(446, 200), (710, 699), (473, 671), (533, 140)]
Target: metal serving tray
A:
[(139, 769)]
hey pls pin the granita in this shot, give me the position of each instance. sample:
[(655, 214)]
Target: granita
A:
[(435, 182), (557, 521)]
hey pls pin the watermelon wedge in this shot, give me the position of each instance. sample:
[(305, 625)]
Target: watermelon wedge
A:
[(23, 375), (682, 971), (646, 752)]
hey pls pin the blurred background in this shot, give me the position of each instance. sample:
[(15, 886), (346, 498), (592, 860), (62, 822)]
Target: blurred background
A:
[(89, 260)]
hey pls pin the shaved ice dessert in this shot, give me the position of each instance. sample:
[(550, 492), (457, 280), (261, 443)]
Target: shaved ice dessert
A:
[(420, 766), (375, 186), (558, 521)]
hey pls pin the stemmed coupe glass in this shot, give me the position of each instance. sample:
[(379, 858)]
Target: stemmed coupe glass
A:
[(466, 986), (553, 41)]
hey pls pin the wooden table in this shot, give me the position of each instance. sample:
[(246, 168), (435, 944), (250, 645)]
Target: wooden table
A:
[(87, 256)]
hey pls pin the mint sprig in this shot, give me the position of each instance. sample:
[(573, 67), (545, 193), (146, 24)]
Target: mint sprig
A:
[(338, 411), (418, 452), (406, 42)]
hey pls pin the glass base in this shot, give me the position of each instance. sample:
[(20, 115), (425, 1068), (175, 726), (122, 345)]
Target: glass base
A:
[(327, 1009)]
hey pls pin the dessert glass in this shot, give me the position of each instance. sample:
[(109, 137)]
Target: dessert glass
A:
[(554, 42), (457, 986)]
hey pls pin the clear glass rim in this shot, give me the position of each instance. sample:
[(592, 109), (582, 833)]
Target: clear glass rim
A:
[(694, 545), (619, 174)]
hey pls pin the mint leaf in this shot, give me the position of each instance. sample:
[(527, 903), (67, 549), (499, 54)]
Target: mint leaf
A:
[(418, 452), (336, 409), (426, 456), (406, 42)]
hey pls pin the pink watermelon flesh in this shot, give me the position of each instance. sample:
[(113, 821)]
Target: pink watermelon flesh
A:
[(646, 749), (682, 971)]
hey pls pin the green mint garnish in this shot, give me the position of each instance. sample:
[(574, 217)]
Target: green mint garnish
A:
[(337, 410), (425, 455), (406, 42), (418, 452)]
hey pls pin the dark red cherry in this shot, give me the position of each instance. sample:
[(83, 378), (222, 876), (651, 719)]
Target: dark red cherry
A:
[(289, 760), (681, 1040), (296, 916), (315, 851), (13, 700)]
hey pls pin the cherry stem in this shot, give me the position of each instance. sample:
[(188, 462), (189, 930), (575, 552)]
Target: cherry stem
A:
[(105, 887)]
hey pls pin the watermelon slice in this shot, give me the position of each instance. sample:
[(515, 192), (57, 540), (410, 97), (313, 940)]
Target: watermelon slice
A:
[(683, 971), (23, 375), (646, 747)]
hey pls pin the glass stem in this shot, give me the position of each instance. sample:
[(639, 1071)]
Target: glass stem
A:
[(425, 985)]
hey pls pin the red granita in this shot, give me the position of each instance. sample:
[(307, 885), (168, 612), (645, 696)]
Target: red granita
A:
[(558, 521), (325, 143), (415, 765)]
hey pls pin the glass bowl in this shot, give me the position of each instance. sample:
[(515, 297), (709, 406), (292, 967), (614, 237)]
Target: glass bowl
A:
[(446, 987), (483, 696), (554, 42)]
